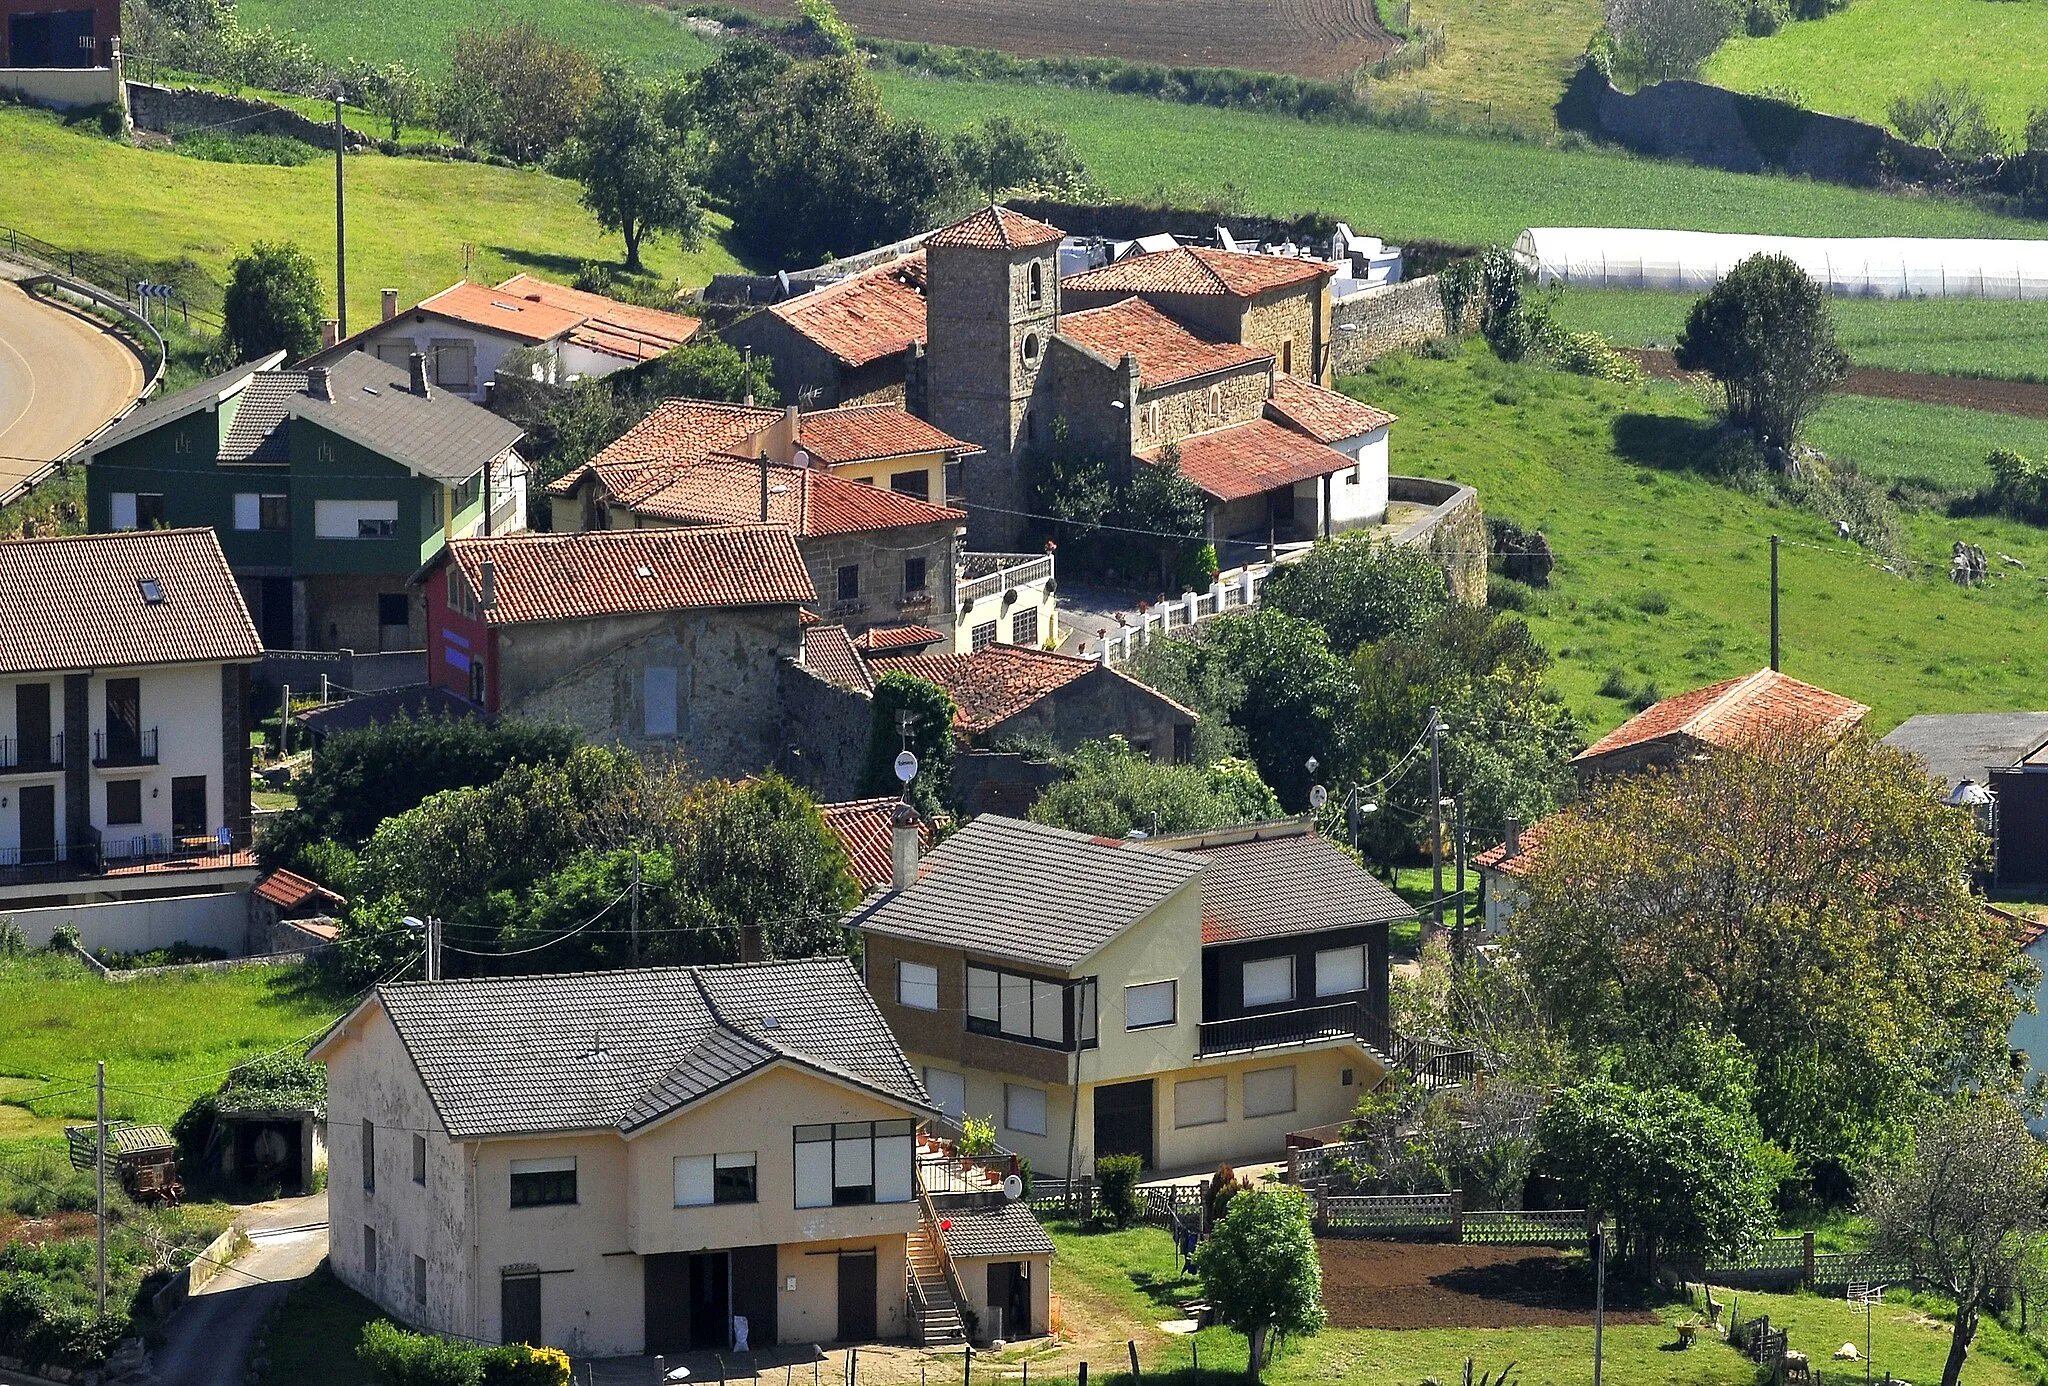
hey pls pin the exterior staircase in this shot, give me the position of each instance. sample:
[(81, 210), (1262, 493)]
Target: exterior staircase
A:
[(934, 1313)]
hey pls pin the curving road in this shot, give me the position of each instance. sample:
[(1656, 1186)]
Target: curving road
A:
[(61, 377)]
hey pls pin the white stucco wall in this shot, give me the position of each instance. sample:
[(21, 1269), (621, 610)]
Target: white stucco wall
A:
[(1359, 497), (219, 920), (406, 330), (183, 704), (2030, 1032)]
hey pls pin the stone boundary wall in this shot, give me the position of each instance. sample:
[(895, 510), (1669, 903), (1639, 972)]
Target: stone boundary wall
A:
[(828, 729), (1453, 532), (115, 974), (1387, 318), (172, 110)]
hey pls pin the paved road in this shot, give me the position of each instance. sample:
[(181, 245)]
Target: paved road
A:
[(210, 1338), (61, 377)]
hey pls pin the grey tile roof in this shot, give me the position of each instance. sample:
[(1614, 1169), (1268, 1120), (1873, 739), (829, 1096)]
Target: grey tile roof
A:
[(1281, 886), (595, 1050), (442, 436), (1006, 888), (258, 432), (175, 406), (1003, 1232), (1966, 745)]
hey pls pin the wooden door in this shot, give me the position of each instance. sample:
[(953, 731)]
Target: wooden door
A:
[(857, 1285), (1123, 1120), (38, 824), (519, 1309), (710, 1301), (32, 724), (665, 1283), (755, 1273)]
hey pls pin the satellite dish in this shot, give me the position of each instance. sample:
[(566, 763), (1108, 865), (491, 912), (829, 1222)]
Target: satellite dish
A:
[(1318, 796), (906, 766), (1013, 1188), (802, 458)]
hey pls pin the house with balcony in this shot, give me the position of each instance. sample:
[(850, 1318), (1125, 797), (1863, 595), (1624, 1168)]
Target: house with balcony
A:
[(329, 488), (712, 1159), (124, 718), (1191, 1001)]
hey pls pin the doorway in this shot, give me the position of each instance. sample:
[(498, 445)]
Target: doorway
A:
[(710, 1301), (1123, 1120), (188, 808), (1009, 1294), (32, 725), (665, 1285), (857, 1284), (519, 1309), (274, 597), (38, 824), (755, 1271)]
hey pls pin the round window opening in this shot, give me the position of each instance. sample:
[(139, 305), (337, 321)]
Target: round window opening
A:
[(1031, 347)]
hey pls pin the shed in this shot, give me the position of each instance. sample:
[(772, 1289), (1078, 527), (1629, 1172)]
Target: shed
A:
[(145, 1158)]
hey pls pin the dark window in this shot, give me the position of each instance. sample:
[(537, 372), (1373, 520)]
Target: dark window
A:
[(732, 1178), (536, 1183), (419, 1279), (478, 685), (917, 483), (849, 582), (149, 511), (913, 575), (984, 635), (370, 1167), (1024, 627), (188, 806), (369, 1251), (152, 591), (1017, 1006), (124, 801), (1183, 745), (393, 609), (275, 512), (124, 719), (1037, 284), (419, 1158)]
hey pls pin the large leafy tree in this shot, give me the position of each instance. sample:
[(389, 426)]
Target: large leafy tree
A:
[(1655, 39), (1260, 1269), (1111, 789), (1298, 698), (1766, 334), (518, 90), (1004, 155), (1805, 897), (1360, 589), (273, 302), (1161, 500), (930, 710), (1967, 1208), (1195, 674), (634, 166)]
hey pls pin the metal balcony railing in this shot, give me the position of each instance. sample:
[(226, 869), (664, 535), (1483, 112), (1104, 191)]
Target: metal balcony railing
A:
[(1340, 1020), (122, 747), (32, 754)]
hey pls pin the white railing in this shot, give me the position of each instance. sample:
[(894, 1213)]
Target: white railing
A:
[(1233, 588), (1007, 570)]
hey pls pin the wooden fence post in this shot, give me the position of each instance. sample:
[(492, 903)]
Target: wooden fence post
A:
[(1806, 1259), (1132, 1345), (1457, 1215)]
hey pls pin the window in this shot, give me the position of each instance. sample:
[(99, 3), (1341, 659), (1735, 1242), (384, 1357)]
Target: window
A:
[(393, 609), (984, 635), (121, 510), (152, 590), (1016, 1006), (1340, 970), (419, 1280), (913, 575), (659, 715), (1084, 1013), (948, 1091), (369, 1251), (1037, 283), (1268, 1092), (275, 512), (537, 1183), (1287, 357), (849, 582), (454, 361), (478, 686), (1198, 1103), (917, 986), (124, 719), (248, 510), (1024, 1109), (419, 1158), (149, 511), (396, 353), (1024, 627), (1183, 744), (369, 1156), (1149, 1004), (917, 483), (854, 1162), (188, 807), (702, 1180), (1152, 420), (124, 801), (1216, 403), (1268, 981), (355, 519), (1030, 347)]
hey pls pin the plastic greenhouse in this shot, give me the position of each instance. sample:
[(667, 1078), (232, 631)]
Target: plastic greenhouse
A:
[(1872, 267)]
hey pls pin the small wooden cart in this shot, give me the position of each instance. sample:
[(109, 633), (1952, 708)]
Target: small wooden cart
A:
[(143, 1158)]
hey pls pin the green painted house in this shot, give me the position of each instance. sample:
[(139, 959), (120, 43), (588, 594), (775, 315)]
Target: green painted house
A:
[(329, 488)]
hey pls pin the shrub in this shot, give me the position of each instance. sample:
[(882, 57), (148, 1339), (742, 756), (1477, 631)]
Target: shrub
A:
[(400, 1358), (39, 1326), (2019, 487), (1116, 1188), (279, 150), (1224, 1185), (64, 939), (977, 1135), (1762, 18), (516, 1364)]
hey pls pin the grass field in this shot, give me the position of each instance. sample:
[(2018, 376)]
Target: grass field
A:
[(1503, 60), (1664, 575), (1929, 443), (409, 219), (650, 37), (1855, 61)]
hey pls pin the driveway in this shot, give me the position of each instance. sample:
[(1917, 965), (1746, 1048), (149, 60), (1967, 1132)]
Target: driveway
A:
[(61, 377), (209, 1339)]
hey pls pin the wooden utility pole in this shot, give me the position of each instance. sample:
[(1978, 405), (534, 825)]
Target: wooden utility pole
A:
[(1436, 818), (340, 224), (100, 1165)]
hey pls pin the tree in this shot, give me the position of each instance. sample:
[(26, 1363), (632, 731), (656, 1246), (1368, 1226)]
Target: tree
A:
[(717, 103), (1966, 1209), (1160, 500), (1949, 118), (396, 92), (634, 167), (1298, 697), (1005, 155), (1111, 789), (1655, 39), (1195, 674), (1683, 1179), (1360, 589), (520, 91), (931, 711), (1806, 897), (273, 302), (758, 852), (1259, 1268), (1766, 334)]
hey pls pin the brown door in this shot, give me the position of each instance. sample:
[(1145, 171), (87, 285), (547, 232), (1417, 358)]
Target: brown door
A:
[(31, 724), (665, 1280), (755, 1271), (519, 1309), (38, 824), (857, 1297), (1123, 1120)]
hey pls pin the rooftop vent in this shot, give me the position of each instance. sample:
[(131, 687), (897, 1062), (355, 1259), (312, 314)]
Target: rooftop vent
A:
[(644, 571)]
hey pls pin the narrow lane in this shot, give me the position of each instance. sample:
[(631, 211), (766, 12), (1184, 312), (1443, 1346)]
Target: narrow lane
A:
[(61, 377)]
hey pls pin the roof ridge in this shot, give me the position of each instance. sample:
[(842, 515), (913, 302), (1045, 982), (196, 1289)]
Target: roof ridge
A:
[(1740, 691)]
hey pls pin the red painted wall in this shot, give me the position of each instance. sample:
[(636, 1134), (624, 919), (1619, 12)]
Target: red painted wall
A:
[(454, 641), (106, 26)]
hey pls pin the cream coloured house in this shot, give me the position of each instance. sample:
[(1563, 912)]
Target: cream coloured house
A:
[(1190, 1000), (650, 1161)]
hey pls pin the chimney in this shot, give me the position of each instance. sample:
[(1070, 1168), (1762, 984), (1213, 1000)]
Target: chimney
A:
[(1514, 840), (390, 304), (318, 384), (903, 847), (750, 943), (420, 387), (488, 598), (330, 331)]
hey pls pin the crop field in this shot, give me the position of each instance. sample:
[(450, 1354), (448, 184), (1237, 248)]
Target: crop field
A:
[(1504, 61), (1855, 61), (651, 38), (1934, 445)]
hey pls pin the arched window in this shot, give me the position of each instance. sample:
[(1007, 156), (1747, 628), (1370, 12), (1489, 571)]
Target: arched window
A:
[(1030, 345), (1037, 283), (1216, 403)]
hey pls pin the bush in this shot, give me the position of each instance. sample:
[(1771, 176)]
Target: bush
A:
[(1116, 1188), (977, 1135), (2019, 487), (400, 1358), (38, 1326), (516, 1364)]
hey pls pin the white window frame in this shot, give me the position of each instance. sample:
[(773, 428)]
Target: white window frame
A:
[(1015, 1094), (1259, 1103), (344, 519), (1267, 994), (1328, 958), (1144, 1014), (917, 985), (1200, 1102)]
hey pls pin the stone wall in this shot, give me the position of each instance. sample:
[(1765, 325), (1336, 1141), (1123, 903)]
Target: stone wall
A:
[(1083, 385), (1129, 220), (1203, 405), (1099, 705), (827, 730), (1391, 317), (1453, 532), (168, 110), (880, 555)]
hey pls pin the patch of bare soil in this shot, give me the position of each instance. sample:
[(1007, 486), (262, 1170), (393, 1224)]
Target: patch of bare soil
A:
[(2025, 398), (1370, 1284)]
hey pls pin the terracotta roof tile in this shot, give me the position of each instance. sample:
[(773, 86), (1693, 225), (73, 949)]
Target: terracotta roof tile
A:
[(78, 602), (1167, 352), (1528, 849), (866, 830), (883, 638), (1199, 270), (864, 432), (609, 326), (809, 500), (995, 228), (992, 684), (288, 890), (830, 655), (876, 313), (1323, 415), (681, 430), (1732, 713), (566, 577), (1249, 458), (499, 311)]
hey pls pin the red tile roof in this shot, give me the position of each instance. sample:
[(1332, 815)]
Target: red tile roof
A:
[(866, 830), (876, 313), (682, 430), (1167, 352), (77, 602), (1250, 458), (615, 328), (809, 500), (1528, 849), (995, 228), (500, 311), (864, 432), (992, 684), (1734, 712), (882, 638), (1199, 270), (567, 577), (830, 655), (289, 891), (1323, 415)]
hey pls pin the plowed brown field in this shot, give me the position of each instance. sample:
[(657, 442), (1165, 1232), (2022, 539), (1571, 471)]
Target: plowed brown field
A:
[(1304, 38), (1406, 1285)]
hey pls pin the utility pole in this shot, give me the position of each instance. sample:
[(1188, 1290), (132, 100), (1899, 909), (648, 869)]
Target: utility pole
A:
[(1774, 603), (1436, 817), (340, 224), (636, 908), (100, 1165), (1599, 1295), (433, 948), (1458, 846)]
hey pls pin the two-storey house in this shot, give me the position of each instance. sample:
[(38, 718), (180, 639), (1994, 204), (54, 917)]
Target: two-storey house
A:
[(124, 717), (642, 1161), (1189, 1001), (329, 488)]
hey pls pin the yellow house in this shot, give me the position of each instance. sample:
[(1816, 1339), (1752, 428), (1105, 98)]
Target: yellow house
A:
[(651, 1161)]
